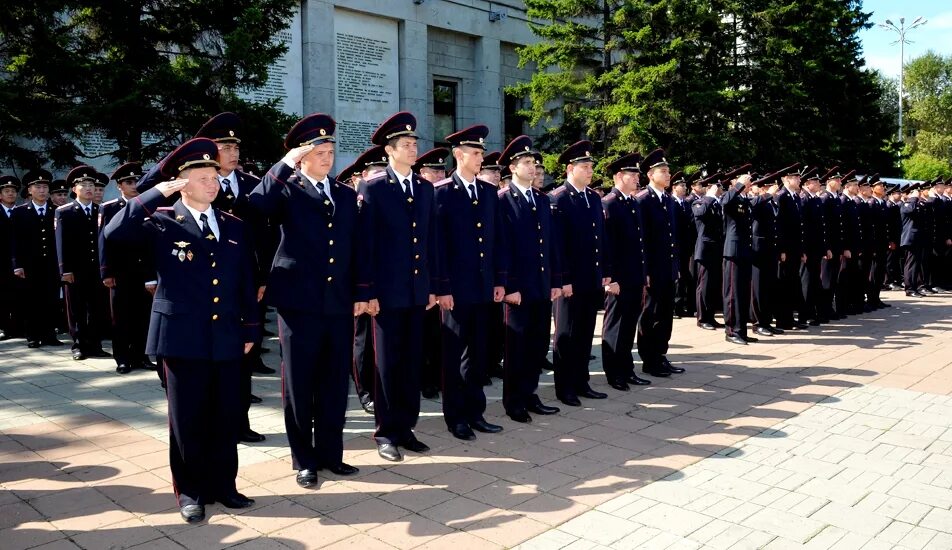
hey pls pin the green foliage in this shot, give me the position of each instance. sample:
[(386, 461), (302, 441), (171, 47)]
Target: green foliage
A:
[(922, 166), (928, 87), (144, 73)]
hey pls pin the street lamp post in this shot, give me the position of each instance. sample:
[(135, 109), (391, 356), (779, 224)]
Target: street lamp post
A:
[(901, 30)]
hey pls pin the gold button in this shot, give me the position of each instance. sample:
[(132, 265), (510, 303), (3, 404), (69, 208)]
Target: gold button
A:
[(215, 317), (417, 257), (541, 254), (214, 281), (331, 242), (413, 224), (416, 271), (542, 268), (481, 255), (415, 240), (214, 264), (596, 264), (540, 241), (330, 225), (480, 239), (331, 260), (479, 224), (329, 279), (215, 299)]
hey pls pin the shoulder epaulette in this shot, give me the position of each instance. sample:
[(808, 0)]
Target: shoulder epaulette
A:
[(443, 182), (110, 202), (230, 215), (641, 194)]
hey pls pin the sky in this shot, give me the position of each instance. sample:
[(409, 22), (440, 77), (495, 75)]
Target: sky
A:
[(936, 34)]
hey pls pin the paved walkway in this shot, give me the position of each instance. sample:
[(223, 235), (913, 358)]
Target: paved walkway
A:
[(833, 438)]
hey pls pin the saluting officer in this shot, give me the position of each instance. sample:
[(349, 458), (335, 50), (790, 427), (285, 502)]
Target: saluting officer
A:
[(893, 222), (661, 257), (395, 268), (580, 222), (769, 253), (431, 166), (708, 251), (914, 240), (204, 319), (124, 272), (77, 247), (370, 162), (471, 276), (311, 284), (738, 253), (626, 253), (533, 282)]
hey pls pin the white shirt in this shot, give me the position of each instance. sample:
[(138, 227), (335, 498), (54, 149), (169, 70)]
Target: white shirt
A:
[(468, 186), (404, 180), (525, 192), (327, 186), (212, 221), (656, 194), (87, 208), (37, 207), (8, 211)]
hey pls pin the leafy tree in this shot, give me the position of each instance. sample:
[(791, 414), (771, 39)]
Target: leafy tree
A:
[(923, 166), (928, 87), (142, 73)]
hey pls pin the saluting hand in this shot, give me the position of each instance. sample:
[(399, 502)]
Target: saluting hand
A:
[(294, 156), (169, 188), (613, 289)]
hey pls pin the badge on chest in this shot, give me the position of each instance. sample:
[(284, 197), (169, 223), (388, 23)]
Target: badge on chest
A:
[(180, 252)]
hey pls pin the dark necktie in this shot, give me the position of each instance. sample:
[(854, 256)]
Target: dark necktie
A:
[(472, 191), (530, 199), (86, 208), (407, 192), (226, 186), (40, 211), (206, 228)]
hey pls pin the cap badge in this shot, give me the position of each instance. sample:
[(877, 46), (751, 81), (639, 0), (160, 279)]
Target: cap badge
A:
[(587, 154), (231, 133), (527, 147), (206, 157), (323, 132), (409, 128)]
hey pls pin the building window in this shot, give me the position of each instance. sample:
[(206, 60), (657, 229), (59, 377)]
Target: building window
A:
[(514, 123), (444, 110)]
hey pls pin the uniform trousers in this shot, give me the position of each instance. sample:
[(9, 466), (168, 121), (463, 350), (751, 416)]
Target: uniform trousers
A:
[(204, 400), (131, 305), (465, 360), (708, 293), (83, 301), (764, 286), (574, 329), (398, 342), (655, 322), (618, 332), (736, 294), (526, 347), (363, 370), (315, 366)]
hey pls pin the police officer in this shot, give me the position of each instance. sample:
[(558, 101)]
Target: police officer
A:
[(533, 282), (490, 170), (687, 235), (738, 254), (894, 259), (395, 266), (625, 252), (792, 229), (849, 286), (708, 251), (10, 303), (661, 258), (833, 227), (875, 277), (432, 167), (35, 260), (580, 222), (370, 162), (915, 240), (59, 193), (817, 249), (77, 247), (124, 272), (471, 277), (311, 286), (204, 319)]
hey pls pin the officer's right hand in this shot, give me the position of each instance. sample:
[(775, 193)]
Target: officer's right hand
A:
[(20, 273), (168, 188), (515, 298), (68, 278), (446, 302), (261, 290), (109, 282), (566, 291), (373, 307), (295, 155), (360, 308), (555, 294)]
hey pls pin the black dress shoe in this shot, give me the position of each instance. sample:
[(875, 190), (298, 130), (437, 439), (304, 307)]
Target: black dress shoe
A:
[(619, 385), (52, 342), (251, 436), (763, 331), (306, 478), (658, 371), (539, 408), (342, 469), (430, 392), (482, 426), (78, 355), (635, 380), (415, 445), (520, 416), (123, 369), (802, 326), (236, 500), (734, 339), (254, 399), (570, 400), (707, 326), (751, 339), (547, 365), (592, 394), (389, 451), (148, 364), (671, 368), (717, 325), (814, 323), (99, 353), (193, 513), (261, 368), (33, 344), (775, 330), (368, 407), (464, 432)]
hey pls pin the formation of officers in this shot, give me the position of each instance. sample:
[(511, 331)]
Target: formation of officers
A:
[(412, 281)]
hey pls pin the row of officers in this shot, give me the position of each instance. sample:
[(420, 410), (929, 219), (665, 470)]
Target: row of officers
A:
[(369, 275)]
